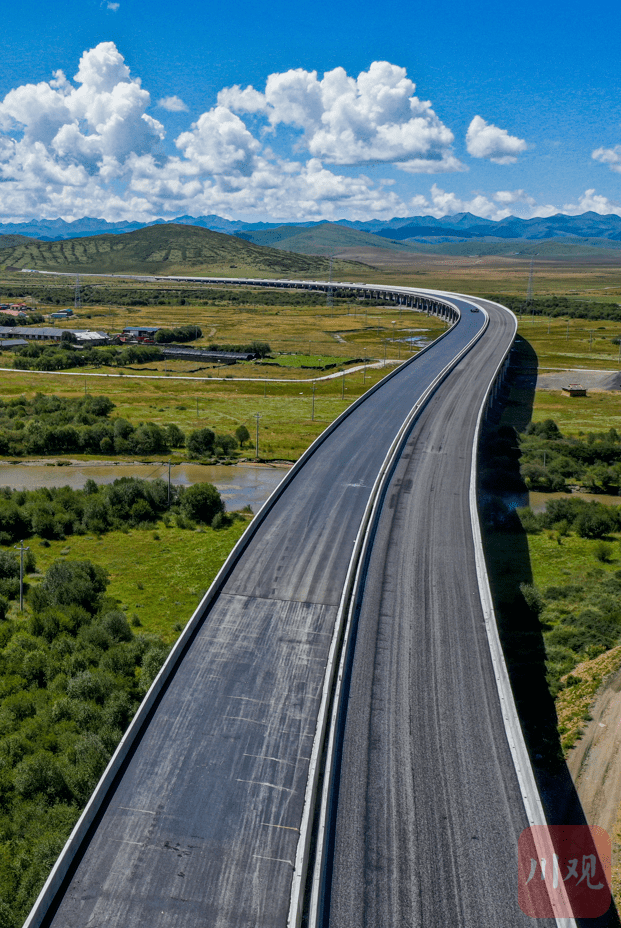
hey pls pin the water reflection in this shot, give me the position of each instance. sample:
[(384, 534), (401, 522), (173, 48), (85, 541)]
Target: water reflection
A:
[(242, 485), (537, 501)]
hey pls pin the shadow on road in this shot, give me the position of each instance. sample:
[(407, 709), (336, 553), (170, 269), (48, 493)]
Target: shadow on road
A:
[(506, 551)]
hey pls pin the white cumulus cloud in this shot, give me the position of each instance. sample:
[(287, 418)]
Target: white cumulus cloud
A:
[(374, 117), (593, 202), (609, 156), (173, 104), (484, 140)]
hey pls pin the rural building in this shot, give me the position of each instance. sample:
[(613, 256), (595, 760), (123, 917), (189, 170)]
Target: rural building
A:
[(31, 332), (575, 389), (91, 339), (48, 333), (61, 314), (10, 343), (145, 334), (204, 354)]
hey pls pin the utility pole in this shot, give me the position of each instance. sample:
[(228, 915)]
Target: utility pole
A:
[(197, 407), (169, 484), (364, 369), (77, 301), (343, 387), (21, 573), (256, 445), (313, 412)]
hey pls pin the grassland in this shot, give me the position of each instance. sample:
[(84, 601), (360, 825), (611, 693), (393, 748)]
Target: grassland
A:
[(282, 396), (159, 576), (572, 343), (170, 249)]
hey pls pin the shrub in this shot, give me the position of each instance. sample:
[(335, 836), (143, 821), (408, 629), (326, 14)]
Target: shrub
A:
[(200, 442), (116, 625), (594, 521), (532, 595), (602, 551), (201, 502), (529, 520)]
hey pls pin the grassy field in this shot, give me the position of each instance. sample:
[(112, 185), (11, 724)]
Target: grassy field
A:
[(572, 343), (159, 576), (287, 425), (596, 412)]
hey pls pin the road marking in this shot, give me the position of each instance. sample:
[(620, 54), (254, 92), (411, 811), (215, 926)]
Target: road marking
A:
[(262, 783), (242, 718), (286, 827), (267, 757), (264, 702), (130, 809), (280, 860)]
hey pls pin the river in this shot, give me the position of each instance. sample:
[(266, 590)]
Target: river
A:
[(240, 485)]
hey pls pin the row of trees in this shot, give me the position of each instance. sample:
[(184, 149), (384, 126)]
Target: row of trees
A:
[(54, 425), (552, 461), (260, 349), (129, 501), (65, 356), (185, 333), (560, 306), (71, 678), (22, 319), (587, 519)]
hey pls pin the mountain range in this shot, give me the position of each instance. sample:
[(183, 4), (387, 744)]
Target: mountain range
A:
[(604, 231)]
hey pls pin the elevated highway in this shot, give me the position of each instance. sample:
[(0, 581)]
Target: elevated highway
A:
[(204, 814)]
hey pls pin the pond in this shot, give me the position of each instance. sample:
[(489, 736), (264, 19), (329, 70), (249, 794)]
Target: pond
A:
[(240, 485), (537, 501)]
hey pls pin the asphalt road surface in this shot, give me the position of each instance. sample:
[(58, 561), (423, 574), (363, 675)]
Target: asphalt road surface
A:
[(203, 825), (429, 808)]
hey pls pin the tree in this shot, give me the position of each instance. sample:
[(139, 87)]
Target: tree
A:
[(200, 442), (242, 434), (225, 443), (594, 522), (201, 502), (67, 583)]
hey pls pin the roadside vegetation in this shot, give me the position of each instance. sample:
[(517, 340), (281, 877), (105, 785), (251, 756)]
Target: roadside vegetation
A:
[(72, 675), (552, 461), (54, 425), (76, 664)]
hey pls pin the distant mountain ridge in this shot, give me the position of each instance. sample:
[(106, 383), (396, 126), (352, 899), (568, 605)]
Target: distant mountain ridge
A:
[(461, 227)]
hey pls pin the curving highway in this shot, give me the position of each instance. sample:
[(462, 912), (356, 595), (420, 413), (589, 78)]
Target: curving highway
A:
[(428, 804), (201, 823)]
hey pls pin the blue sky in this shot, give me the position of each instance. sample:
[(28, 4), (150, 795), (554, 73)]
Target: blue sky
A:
[(330, 110)]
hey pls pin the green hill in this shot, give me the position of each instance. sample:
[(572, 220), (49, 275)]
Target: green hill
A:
[(168, 249), (10, 241), (326, 239), (334, 239)]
